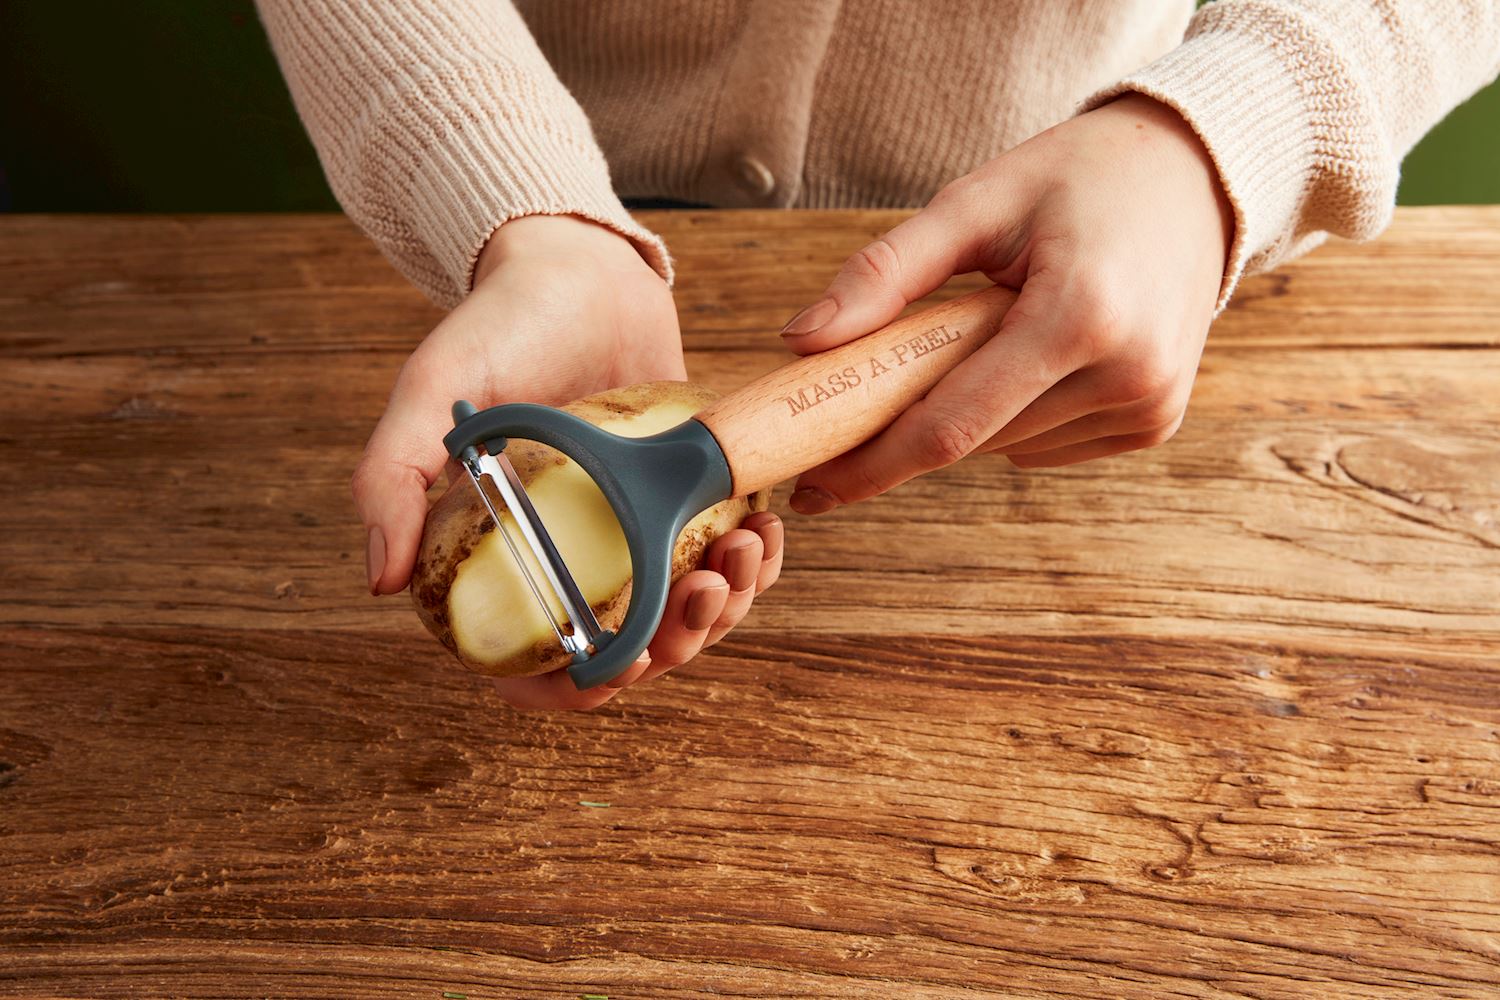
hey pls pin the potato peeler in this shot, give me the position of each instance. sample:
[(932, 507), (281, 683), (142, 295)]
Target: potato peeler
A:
[(784, 423)]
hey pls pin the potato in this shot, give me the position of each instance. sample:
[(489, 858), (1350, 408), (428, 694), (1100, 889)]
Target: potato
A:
[(466, 585)]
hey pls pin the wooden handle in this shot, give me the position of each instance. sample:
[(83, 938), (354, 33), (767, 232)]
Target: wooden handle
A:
[(822, 405)]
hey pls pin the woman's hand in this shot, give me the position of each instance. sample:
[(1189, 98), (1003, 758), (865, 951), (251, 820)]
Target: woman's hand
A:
[(561, 308), (1115, 229)]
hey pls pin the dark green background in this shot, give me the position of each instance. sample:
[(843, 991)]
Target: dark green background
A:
[(178, 106)]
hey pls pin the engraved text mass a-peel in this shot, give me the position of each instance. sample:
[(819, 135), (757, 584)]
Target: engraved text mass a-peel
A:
[(805, 397)]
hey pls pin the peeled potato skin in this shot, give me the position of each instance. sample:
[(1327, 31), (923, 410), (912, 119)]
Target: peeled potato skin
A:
[(458, 520)]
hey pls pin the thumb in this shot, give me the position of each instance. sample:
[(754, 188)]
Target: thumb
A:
[(403, 458), (880, 280)]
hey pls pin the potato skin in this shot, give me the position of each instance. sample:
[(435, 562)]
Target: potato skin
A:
[(458, 520)]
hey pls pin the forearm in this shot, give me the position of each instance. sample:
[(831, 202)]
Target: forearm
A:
[(1308, 106), (436, 123)]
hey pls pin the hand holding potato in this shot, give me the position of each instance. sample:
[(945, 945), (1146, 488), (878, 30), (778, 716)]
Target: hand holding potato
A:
[(1114, 227), (561, 308)]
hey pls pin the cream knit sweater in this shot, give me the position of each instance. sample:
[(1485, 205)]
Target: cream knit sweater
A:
[(438, 120)]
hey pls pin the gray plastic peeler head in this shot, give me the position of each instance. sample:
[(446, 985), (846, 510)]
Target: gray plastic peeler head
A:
[(655, 485)]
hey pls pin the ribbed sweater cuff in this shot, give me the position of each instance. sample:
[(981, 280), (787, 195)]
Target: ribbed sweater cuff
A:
[(1259, 134), (484, 174)]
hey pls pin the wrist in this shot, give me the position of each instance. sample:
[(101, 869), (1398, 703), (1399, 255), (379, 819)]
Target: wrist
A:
[(567, 239), (1173, 131)]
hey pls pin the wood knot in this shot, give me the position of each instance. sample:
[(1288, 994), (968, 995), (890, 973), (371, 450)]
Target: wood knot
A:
[(1169, 873)]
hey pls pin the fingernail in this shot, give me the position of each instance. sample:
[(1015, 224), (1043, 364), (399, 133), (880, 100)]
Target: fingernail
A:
[(741, 568), (810, 319), (375, 557), (773, 536), (703, 607), (644, 660), (811, 500)]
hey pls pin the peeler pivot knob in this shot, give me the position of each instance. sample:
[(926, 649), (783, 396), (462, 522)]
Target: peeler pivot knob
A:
[(463, 410)]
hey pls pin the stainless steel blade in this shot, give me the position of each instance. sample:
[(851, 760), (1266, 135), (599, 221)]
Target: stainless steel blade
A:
[(585, 627), (477, 477)]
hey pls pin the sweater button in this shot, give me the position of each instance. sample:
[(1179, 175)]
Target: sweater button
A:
[(754, 176)]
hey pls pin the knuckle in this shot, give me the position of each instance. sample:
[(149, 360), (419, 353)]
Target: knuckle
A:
[(1096, 329), (379, 476), (1159, 435), (877, 260), (947, 439), (1160, 410), (953, 195), (1148, 377), (1150, 439)]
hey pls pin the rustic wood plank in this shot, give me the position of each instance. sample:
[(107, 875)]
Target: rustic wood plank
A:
[(1220, 719), (1351, 529), (308, 284), (1084, 815)]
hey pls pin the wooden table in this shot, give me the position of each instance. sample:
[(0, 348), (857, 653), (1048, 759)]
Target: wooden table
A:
[(1219, 719)]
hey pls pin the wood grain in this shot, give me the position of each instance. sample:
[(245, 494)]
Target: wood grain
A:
[(1219, 719)]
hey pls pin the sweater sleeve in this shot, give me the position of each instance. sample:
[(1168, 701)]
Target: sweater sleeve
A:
[(438, 121), (1308, 106)]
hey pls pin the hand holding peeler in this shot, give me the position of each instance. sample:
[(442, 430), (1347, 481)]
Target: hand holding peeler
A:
[(784, 423)]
